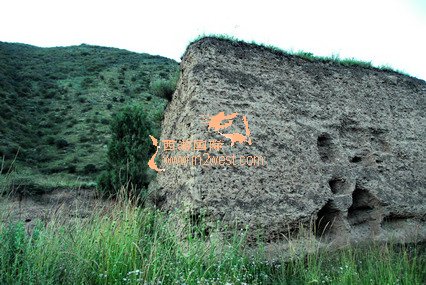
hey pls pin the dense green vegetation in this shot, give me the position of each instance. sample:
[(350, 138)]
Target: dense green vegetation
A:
[(56, 106), (164, 88), (129, 148), (129, 245)]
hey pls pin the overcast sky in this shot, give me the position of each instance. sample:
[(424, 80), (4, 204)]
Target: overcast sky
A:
[(388, 32)]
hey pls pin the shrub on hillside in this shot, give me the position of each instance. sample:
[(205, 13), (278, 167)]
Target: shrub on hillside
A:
[(163, 88), (87, 82), (128, 153), (50, 140), (90, 169), (61, 143), (82, 99), (9, 151), (72, 168), (6, 166)]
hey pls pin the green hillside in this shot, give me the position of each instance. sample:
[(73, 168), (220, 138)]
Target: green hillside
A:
[(56, 104)]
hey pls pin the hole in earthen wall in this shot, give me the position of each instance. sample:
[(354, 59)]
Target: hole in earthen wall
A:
[(363, 205), (395, 217), (158, 200), (326, 147), (326, 218), (338, 185), (356, 159)]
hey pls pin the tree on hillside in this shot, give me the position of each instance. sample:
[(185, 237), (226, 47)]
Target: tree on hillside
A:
[(128, 153)]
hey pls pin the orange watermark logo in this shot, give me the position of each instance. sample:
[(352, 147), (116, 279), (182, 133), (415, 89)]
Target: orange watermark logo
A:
[(151, 162), (215, 123), (219, 123)]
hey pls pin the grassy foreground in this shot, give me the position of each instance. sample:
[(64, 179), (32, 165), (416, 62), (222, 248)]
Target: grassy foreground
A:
[(125, 244)]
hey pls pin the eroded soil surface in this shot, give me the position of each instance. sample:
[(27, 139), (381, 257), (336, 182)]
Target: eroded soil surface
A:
[(63, 204)]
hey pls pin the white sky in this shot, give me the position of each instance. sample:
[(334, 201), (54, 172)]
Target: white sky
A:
[(391, 32)]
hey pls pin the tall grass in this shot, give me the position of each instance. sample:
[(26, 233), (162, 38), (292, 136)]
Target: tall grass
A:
[(129, 245)]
